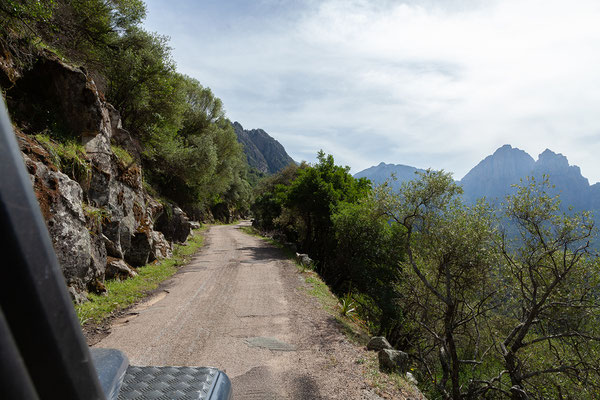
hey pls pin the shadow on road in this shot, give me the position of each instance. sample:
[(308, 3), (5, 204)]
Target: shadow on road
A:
[(264, 254), (305, 387)]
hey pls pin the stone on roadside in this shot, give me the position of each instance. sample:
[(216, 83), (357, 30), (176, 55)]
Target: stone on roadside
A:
[(161, 248), (195, 225), (411, 378), (378, 343), (118, 269), (393, 360), (304, 260)]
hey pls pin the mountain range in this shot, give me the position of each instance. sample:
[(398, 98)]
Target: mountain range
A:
[(493, 176), (262, 151)]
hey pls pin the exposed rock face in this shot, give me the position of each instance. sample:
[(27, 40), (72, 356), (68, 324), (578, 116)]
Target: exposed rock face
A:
[(573, 188), (262, 151), (106, 218), (78, 246), (383, 172), (492, 178), (174, 224)]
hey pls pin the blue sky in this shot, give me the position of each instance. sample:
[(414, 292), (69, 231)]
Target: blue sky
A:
[(428, 83)]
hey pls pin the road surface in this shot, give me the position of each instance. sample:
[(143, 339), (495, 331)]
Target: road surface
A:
[(242, 307)]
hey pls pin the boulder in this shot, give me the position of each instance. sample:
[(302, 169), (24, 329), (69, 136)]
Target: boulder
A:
[(304, 260), (161, 248), (118, 269), (378, 343), (393, 360), (138, 253), (411, 378), (195, 225), (174, 224)]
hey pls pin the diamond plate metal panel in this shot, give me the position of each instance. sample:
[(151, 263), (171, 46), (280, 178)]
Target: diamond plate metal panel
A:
[(168, 383)]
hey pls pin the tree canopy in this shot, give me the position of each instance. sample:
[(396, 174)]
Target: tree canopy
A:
[(189, 151)]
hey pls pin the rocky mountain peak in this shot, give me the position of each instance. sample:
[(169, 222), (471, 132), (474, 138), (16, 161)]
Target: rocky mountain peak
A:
[(505, 164), (262, 151), (550, 159)]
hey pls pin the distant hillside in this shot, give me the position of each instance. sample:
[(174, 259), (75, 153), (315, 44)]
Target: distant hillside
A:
[(492, 178), (262, 151), (382, 172)]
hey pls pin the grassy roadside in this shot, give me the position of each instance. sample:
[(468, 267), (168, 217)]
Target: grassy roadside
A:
[(122, 294), (352, 327)]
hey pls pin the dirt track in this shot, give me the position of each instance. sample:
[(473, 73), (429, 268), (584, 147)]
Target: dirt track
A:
[(242, 307)]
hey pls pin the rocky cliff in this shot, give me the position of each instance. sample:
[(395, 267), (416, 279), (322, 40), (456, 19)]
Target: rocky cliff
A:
[(262, 151), (96, 209), (492, 178)]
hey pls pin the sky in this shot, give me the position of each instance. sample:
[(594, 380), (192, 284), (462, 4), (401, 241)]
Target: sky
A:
[(432, 83)]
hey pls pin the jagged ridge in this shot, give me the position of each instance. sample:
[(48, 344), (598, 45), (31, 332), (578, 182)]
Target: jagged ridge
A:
[(262, 151)]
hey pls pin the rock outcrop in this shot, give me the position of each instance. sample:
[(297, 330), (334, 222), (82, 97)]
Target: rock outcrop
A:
[(102, 216), (262, 151), (77, 242), (492, 178)]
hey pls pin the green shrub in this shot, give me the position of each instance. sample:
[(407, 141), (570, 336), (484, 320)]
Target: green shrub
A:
[(69, 157)]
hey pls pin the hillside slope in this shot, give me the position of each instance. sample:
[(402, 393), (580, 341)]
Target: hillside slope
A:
[(383, 172)]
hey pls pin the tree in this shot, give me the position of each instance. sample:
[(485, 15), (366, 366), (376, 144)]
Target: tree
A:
[(313, 197), (269, 197), (551, 350), (449, 255), (143, 86), (367, 252)]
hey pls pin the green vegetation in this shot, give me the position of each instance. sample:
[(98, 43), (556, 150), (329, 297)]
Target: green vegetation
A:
[(122, 155), (189, 150), (68, 156), (122, 294), (331, 216), (482, 314)]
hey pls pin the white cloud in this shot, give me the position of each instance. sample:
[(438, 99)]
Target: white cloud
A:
[(435, 83)]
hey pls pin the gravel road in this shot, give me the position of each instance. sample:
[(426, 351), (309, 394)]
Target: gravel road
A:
[(242, 307)]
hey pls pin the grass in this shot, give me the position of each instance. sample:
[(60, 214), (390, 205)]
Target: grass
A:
[(122, 294), (122, 155), (69, 157)]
